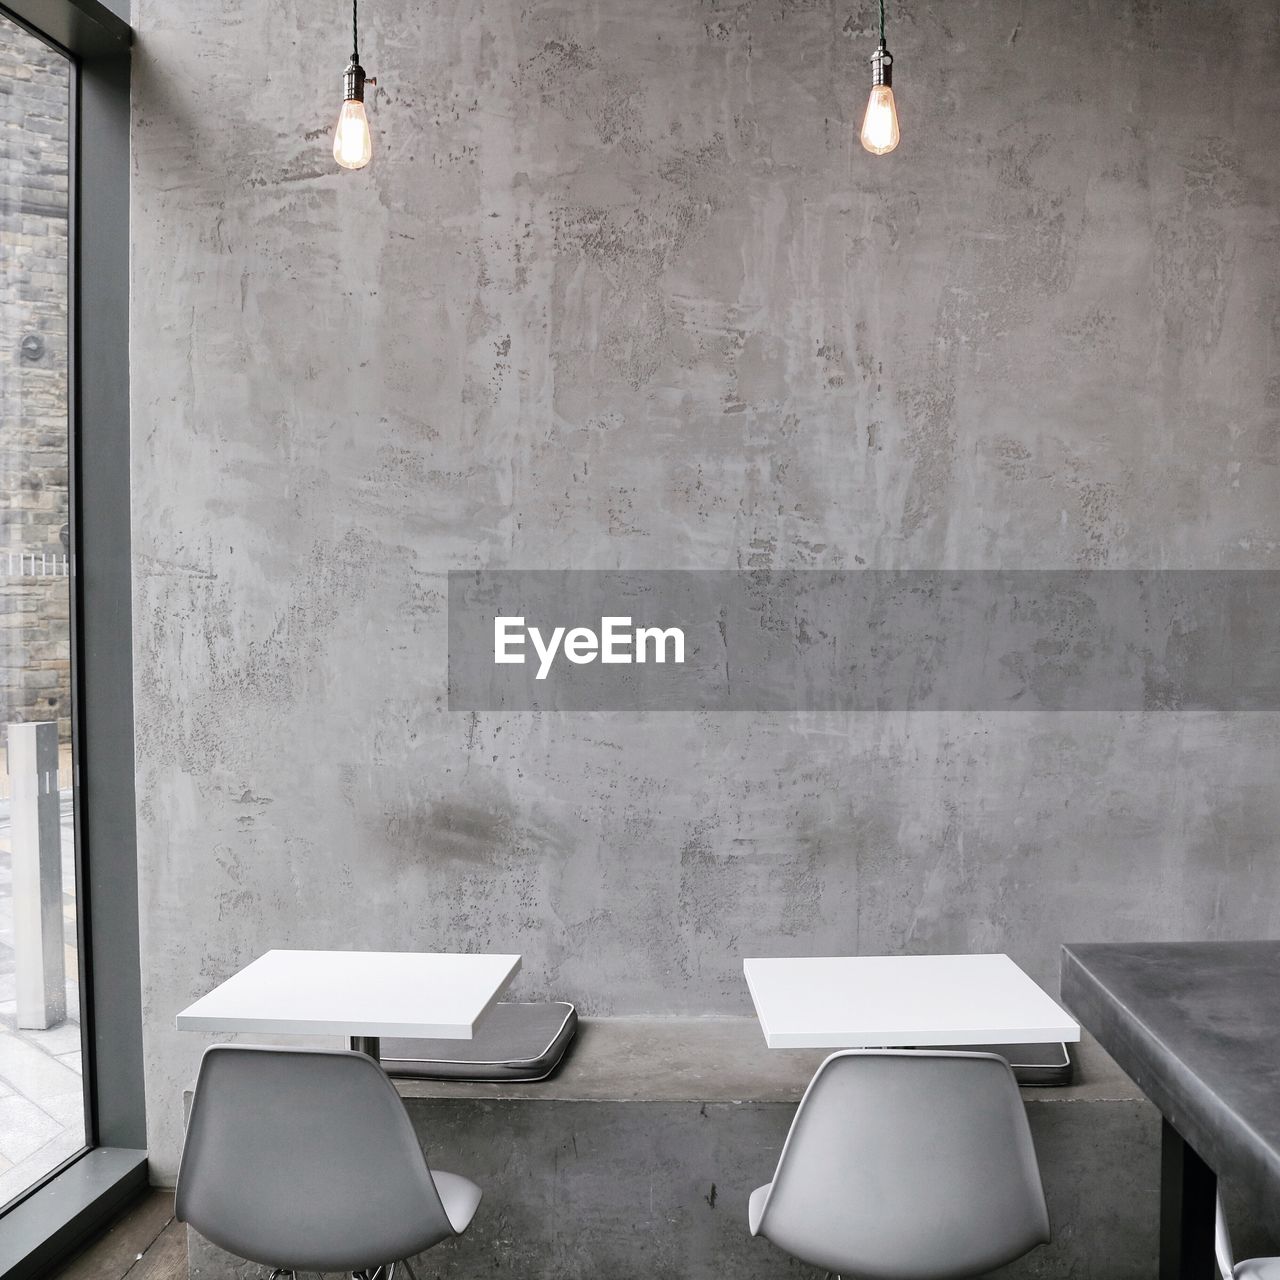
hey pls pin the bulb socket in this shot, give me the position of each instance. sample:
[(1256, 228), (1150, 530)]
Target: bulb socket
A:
[(882, 67), (353, 79)]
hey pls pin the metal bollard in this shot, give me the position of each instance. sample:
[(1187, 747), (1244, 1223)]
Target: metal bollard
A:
[(36, 837)]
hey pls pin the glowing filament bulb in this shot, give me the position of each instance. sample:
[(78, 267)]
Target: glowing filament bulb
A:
[(880, 125), (352, 145)]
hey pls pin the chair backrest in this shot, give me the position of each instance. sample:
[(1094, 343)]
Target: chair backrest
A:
[(1222, 1251), (908, 1165), (305, 1159)]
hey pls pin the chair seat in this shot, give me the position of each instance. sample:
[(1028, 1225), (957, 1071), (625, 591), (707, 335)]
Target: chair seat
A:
[(277, 1139), (1258, 1269), (460, 1197), (906, 1163), (755, 1208)]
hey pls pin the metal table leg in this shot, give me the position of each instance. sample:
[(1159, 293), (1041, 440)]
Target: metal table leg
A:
[(368, 1044), (1188, 1193)]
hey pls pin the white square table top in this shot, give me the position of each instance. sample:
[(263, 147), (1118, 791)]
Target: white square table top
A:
[(416, 994), (864, 1002)]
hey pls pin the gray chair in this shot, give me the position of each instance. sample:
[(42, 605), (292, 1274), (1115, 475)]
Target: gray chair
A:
[(1228, 1267), (906, 1165), (306, 1160)]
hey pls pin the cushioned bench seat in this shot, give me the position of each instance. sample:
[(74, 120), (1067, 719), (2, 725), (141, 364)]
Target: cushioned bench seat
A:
[(712, 1060), (516, 1040)]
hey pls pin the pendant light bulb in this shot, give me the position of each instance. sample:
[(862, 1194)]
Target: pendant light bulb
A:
[(352, 144), (880, 125)]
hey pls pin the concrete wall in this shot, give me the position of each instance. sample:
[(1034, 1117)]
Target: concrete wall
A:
[(620, 290)]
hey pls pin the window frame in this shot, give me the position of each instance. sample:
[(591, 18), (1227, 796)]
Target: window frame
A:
[(76, 1200)]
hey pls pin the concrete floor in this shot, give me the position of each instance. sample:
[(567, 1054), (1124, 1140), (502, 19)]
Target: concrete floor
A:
[(146, 1243)]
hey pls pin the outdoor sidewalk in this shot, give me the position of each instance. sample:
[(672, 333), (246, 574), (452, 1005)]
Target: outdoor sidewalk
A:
[(41, 1093)]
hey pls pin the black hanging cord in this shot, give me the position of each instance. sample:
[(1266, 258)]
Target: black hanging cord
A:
[(881, 20), (355, 30)]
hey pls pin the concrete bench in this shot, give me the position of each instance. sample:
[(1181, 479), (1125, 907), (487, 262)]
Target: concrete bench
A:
[(636, 1159)]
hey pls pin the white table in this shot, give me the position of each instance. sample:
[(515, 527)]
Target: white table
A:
[(363, 995), (863, 1002)]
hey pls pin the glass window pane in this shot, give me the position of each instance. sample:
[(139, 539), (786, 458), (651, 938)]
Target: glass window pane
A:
[(42, 1120)]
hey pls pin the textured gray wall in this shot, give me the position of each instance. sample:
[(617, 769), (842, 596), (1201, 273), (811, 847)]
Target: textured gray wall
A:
[(620, 290)]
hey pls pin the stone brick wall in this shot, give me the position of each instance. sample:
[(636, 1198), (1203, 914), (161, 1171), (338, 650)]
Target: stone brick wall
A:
[(35, 648)]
